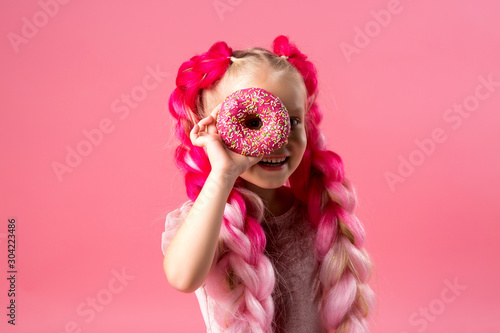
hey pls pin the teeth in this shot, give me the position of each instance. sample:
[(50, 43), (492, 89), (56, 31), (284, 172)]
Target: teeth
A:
[(273, 160)]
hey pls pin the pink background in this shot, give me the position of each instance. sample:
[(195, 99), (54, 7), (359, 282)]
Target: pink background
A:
[(435, 226)]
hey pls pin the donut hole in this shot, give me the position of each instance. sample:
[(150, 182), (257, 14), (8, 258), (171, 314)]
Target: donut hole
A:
[(253, 122)]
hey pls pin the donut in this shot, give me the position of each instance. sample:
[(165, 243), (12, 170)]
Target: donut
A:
[(248, 106)]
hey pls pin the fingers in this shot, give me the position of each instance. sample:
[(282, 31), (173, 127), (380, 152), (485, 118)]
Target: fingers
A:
[(194, 134), (215, 111), (205, 126), (256, 159), (201, 130), (211, 128)]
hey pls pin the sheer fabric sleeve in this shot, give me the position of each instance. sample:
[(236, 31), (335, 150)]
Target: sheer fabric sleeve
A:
[(173, 221)]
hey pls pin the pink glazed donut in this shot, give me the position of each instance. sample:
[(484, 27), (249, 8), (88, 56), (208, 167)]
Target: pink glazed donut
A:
[(248, 106)]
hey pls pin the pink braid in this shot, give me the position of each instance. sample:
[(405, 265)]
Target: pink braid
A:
[(344, 265)]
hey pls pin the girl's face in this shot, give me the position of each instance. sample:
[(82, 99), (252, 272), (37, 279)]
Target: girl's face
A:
[(292, 92)]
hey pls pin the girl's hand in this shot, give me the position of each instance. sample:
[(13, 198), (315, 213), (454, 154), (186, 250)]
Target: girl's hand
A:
[(222, 159)]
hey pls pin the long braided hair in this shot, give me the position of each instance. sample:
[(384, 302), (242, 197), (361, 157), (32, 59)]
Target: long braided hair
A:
[(242, 279)]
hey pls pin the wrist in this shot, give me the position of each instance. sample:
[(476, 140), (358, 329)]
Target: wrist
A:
[(224, 176)]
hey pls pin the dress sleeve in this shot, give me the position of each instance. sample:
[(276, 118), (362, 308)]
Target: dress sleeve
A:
[(173, 221)]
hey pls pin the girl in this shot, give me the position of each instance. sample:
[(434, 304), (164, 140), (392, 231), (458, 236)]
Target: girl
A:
[(265, 248)]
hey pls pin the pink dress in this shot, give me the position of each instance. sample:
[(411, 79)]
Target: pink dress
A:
[(290, 246)]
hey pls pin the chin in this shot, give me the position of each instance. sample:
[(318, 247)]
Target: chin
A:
[(271, 186), (267, 185)]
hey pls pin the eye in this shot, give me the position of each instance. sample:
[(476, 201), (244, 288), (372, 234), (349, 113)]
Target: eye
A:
[(253, 122), (294, 121)]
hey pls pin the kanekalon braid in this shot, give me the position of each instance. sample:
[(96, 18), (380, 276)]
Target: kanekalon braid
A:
[(344, 265), (200, 72), (345, 268), (241, 279), (247, 305)]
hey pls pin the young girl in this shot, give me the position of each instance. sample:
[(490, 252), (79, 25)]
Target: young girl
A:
[(265, 248)]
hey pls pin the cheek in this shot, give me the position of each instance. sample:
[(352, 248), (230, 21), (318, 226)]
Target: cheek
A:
[(299, 140), (299, 143)]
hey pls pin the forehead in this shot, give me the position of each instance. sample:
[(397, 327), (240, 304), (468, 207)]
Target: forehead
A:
[(289, 88)]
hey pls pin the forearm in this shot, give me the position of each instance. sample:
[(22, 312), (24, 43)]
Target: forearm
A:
[(189, 256)]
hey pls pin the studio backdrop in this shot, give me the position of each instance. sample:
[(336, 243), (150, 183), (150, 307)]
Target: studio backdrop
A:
[(410, 92)]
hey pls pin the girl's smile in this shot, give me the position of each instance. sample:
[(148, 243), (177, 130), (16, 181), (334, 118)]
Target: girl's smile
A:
[(273, 163)]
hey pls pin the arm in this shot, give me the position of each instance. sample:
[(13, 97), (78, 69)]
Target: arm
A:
[(190, 254)]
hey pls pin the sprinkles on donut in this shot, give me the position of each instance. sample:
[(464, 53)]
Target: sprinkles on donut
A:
[(249, 106)]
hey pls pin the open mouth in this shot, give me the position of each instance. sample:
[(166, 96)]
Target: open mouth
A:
[(274, 162)]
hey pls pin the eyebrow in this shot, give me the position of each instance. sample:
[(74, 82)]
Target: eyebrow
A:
[(297, 110)]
